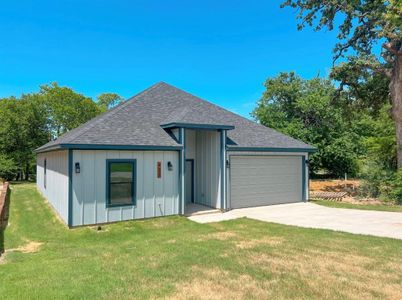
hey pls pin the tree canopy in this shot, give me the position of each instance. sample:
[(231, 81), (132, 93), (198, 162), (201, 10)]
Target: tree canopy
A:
[(33, 119), (362, 26), (108, 100), (341, 126)]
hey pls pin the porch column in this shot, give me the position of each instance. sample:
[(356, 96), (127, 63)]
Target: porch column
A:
[(182, 168), (223, 169)]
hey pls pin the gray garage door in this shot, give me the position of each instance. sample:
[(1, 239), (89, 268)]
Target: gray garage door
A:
[(265, 180)]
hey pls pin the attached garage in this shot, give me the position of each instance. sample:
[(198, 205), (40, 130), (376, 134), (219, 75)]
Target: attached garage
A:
[(258, 180)]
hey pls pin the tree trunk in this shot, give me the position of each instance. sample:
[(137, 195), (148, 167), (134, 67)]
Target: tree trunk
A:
[(27, 172), (396, 98)]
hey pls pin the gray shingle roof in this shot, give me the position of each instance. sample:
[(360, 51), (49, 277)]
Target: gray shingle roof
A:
[(137, 122)]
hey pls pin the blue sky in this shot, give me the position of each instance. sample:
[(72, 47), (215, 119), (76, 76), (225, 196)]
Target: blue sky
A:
[(221, 51)]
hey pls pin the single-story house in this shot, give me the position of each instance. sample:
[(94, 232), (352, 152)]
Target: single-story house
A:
[(163, 150)]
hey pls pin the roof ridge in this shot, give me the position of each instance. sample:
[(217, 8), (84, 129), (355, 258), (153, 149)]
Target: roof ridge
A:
[(210, 103), (232, 113), (91, 123)]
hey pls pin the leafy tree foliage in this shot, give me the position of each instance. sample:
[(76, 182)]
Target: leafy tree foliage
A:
[(342, 126), (34, 119), (8, 169), (22, 129), (65, 108), (108, 100), (362, 26)]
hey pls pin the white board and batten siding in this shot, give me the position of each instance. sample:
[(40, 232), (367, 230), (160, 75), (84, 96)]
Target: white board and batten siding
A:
[(261, 178), (56, 191), (207, 168), (154, 196)]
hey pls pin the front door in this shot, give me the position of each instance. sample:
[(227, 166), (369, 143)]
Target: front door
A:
[(189, 177)]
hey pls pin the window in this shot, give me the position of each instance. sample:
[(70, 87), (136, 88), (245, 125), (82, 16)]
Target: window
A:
[(44, 172), (121, 182)]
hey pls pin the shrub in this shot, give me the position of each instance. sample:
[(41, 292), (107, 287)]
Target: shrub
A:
[(396, 192), (377, 180)]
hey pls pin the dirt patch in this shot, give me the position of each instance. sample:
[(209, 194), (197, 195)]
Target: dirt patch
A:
[(349, 186), (353, 272), (362, 201), (100, 229), (220, 284), (248, 244), (161, 222), (30, 247)]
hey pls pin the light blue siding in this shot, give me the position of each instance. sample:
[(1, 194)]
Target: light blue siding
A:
[(207, 168), (56, 191), (155, 196)]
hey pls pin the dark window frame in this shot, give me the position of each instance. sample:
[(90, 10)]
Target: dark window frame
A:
[(45, 173), (133, 162)]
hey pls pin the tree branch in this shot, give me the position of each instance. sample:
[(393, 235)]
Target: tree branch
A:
[(391, 47), (387, 58)]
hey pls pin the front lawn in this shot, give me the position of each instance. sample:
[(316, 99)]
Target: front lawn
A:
[(380, 207), (173, 257)]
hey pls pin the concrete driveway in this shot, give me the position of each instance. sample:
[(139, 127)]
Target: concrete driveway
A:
[(377, 223)]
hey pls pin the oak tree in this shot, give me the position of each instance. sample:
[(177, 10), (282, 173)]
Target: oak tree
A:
[(362, 26)]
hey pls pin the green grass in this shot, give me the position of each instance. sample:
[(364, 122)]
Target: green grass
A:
[(174, 257), (380, 207)]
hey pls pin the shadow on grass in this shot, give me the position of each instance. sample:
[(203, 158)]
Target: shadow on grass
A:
[(22, 182)]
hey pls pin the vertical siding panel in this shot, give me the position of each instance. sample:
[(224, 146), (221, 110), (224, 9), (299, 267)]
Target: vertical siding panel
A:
[(89, 186), (217, 168), (158, 185), (203, 170), (211, 168), (148, 184), (100, 186), (138, 210), (113, 213), (168, 184), (165, 175), (77, 195), (87, 169), (207, 168), (197, 168), (144, 179)]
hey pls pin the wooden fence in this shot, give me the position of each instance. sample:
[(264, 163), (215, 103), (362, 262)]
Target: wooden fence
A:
[(4, 211)]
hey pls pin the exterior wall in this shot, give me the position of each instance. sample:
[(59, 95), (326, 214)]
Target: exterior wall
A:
[(190, 144), (56, 191), (302, 154), (155, 196), (176, 133), (207, 168)]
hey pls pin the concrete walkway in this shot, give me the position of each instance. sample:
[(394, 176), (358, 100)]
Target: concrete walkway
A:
[(377, 223)]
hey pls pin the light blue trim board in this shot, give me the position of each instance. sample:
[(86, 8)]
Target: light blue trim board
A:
[(191, 160), (107, 147), (70, 188), (182, 167), (304, 178), (133, 162), (256, 149), (197, 126), (223, 168)]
